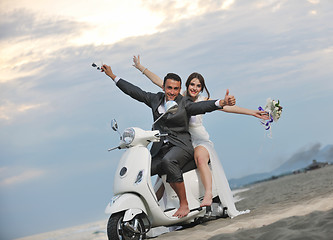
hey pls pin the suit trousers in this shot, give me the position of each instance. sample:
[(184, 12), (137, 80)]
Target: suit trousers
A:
[(169, 160)]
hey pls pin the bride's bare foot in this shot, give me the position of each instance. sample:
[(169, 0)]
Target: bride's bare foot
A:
[(207, 201), (182, 211)]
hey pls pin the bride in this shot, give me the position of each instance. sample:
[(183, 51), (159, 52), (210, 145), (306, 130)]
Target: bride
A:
[(203, 147)]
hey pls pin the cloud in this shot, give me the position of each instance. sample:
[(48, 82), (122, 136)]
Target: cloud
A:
[(219, 43), (22, 24), (10, 110), (28, 39), (314, 1), (176, 11), (13, 176)]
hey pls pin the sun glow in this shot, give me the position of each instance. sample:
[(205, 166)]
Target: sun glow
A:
[(108, 29), (99, 23)]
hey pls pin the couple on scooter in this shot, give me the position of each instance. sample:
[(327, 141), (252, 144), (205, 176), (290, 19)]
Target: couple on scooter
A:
[(170, 155)]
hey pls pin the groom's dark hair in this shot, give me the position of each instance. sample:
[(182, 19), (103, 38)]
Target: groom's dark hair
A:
[(172, 76)]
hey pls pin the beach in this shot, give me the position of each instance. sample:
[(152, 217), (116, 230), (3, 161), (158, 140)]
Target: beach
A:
[(298, 206)]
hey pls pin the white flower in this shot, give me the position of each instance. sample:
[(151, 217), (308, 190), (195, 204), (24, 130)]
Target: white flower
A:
[(273, 108)]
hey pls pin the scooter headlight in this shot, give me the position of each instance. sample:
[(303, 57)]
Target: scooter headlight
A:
[(128, 135)]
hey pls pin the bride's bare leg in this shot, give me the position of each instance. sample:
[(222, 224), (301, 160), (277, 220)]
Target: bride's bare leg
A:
[(201, 157)]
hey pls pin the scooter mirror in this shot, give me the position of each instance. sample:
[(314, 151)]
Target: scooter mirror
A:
[(114, 125), (171, 106)]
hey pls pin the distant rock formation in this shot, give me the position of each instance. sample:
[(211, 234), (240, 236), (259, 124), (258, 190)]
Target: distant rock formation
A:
[(316, 165), (299, 162)]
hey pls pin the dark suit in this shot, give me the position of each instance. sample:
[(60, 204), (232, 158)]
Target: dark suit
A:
[(169, 158)]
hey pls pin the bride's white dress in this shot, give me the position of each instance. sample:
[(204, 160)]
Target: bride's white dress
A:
[(200, 137)]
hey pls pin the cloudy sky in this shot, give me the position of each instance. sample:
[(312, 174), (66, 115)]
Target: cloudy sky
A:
[(55, 109)]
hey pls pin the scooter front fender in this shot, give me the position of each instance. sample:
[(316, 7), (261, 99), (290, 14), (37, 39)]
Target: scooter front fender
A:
[(128, 202)]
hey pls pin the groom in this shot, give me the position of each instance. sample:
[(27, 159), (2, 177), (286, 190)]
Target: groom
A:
[(175, 150)]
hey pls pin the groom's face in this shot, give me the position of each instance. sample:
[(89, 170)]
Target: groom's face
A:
[(171, 89)]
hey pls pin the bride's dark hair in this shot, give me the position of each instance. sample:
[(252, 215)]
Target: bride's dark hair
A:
[(201, 80)]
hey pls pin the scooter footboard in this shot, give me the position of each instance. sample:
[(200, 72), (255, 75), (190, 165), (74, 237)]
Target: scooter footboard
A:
[(126, 201)]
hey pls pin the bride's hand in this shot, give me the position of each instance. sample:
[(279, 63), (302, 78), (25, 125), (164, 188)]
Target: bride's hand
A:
[(261, 114), (136, 61)]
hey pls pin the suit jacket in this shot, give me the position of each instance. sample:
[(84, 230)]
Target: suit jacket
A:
[(175, 124)]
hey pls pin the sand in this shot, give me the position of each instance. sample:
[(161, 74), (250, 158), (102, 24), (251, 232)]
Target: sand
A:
[(291, 207)]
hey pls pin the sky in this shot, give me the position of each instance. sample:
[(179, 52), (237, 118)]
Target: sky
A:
[(55, 109)]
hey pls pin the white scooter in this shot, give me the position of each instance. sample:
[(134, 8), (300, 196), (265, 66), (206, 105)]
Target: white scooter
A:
[(135, 208)]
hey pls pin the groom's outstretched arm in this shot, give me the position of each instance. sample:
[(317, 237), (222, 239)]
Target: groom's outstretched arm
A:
[(128, 88), (195, 108)]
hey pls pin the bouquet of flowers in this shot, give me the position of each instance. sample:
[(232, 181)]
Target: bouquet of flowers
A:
[(274, 110)]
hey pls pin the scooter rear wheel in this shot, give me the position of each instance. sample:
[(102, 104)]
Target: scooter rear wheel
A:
[(118, 231)]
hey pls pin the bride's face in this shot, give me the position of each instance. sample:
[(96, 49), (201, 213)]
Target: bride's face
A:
[(194, 88)]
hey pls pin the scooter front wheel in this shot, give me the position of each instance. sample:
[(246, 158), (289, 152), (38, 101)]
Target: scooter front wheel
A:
[(131, 230)]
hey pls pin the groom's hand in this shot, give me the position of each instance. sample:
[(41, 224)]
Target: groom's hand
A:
[(229, 99), (108, 71)]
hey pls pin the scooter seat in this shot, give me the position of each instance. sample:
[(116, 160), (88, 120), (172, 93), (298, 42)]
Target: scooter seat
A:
[(190, 165)]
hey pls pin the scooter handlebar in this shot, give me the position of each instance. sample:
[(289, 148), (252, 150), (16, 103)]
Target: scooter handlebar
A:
[(138, 137), (114, 148), (161, 135)]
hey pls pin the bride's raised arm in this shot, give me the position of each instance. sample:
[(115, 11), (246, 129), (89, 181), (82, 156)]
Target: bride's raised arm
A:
[(152, 76)]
